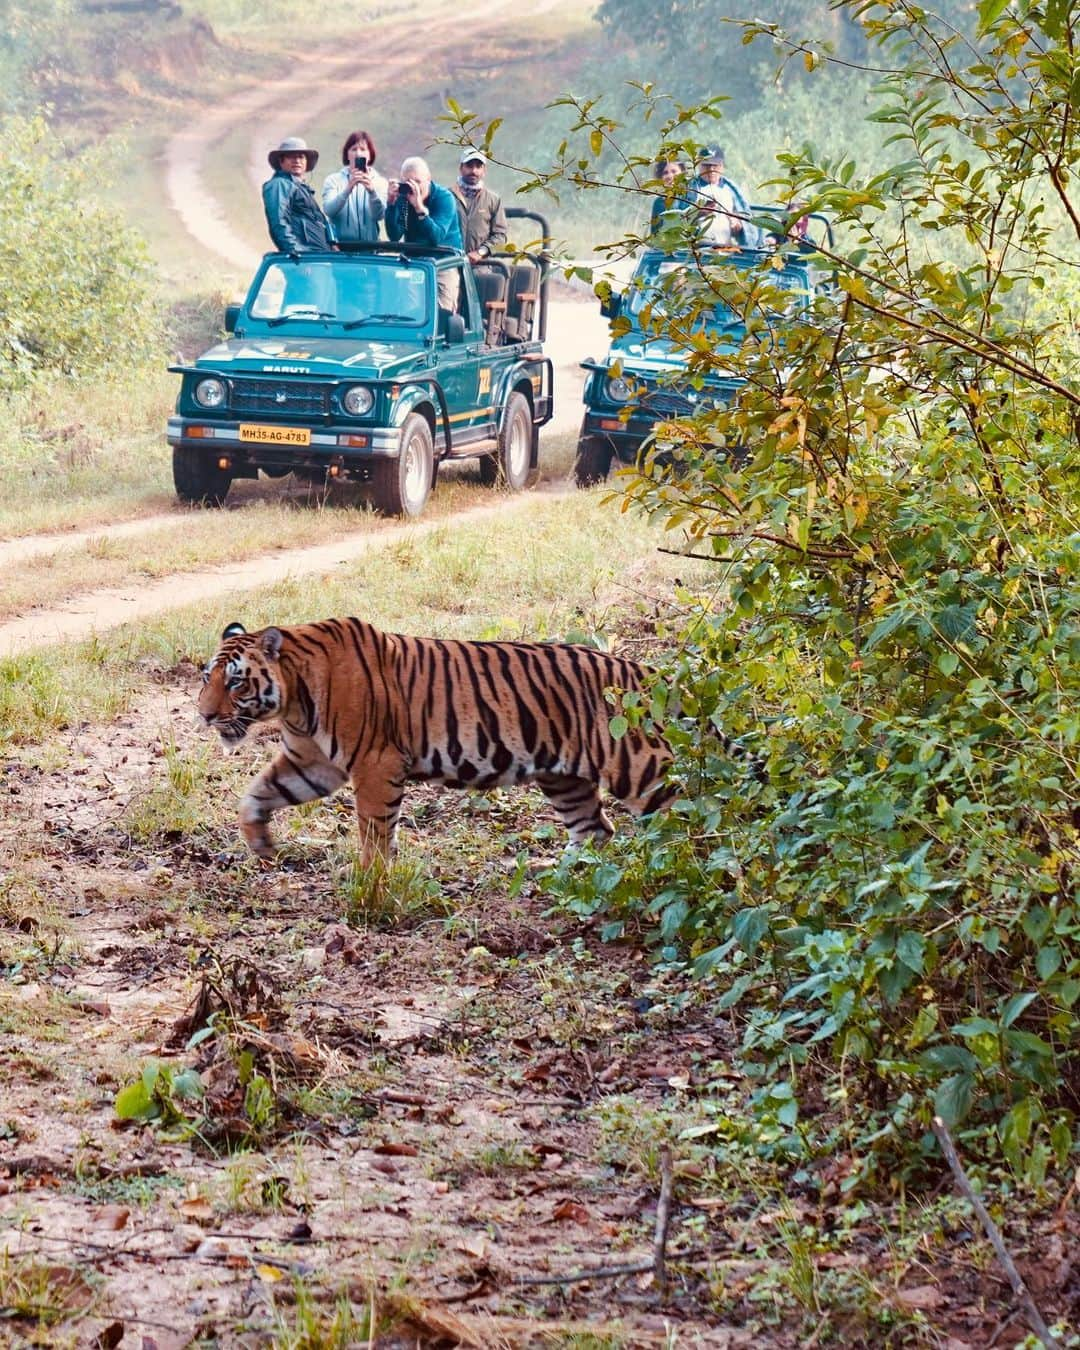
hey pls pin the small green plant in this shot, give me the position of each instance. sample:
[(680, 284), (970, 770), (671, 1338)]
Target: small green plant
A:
[(164, 1097), (42, 1294), (182, 801), (392, 895), (307, 1325)]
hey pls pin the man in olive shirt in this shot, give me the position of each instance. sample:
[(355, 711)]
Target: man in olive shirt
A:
[(483, 220)]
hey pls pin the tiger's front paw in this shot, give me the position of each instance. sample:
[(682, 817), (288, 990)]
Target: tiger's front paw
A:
[(257, 837)]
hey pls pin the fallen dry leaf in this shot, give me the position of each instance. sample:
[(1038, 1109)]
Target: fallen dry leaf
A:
[(473, 1243), (922, 1296), (393, 1150), (570, 1211), (113, 1217), (198, 1208)]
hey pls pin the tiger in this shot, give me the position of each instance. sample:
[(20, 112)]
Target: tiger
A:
[(379, 709)]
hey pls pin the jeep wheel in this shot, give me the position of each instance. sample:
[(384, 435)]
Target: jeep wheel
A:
[(513, 464), (593, 460), (197, 478), (400, 487)]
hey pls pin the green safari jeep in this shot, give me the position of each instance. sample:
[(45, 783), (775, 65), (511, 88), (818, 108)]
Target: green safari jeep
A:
[(343, 365), (643, 382)]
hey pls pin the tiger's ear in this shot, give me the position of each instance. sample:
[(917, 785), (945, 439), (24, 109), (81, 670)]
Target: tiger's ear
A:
[(233, 630), (272, 638)]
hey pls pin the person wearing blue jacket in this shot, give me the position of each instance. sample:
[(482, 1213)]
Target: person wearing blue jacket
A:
[(668, 205), (293, 216), (421, 212)]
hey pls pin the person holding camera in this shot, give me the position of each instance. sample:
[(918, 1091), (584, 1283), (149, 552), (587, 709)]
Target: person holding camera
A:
[(293, 216), (421, 212), (354, 198), (720, 208), (483, 220)]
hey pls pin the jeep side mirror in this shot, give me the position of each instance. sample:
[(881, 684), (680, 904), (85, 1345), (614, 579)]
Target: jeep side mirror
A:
[(232, 313), (455, 328), (610, 307)]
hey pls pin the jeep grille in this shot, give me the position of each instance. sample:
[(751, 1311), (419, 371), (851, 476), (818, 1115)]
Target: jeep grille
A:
[(280, 396), (667, 405)]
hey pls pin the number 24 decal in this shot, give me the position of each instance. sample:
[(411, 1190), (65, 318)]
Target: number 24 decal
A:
[(485, 380)]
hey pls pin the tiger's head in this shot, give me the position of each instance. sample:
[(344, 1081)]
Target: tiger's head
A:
[(242, 682)]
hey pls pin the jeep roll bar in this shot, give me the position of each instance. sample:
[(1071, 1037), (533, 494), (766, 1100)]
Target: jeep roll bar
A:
[(542, 259)]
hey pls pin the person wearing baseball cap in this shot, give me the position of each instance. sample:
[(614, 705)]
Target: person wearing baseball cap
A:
[(720, 207), (293, 216), (483, 220)]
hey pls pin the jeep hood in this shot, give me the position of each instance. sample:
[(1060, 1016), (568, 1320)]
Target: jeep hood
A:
[(339, 357), (652, 357)]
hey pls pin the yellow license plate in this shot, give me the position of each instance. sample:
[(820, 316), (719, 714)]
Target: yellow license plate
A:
[(275, 435)]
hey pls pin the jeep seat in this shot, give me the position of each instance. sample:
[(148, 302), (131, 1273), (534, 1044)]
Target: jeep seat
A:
[(524, 293), (491, 287)]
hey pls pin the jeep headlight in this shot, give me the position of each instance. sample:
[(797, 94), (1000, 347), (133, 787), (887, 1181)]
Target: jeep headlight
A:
[(358, 400), (618, 389), (210, 393)]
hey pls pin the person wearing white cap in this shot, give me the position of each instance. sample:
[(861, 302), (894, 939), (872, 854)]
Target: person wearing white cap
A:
[(293, 216), (719, 206), (483, 220)]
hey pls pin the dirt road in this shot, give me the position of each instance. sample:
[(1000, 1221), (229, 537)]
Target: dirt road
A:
[(336, 78), (267, 112), (98, 611)]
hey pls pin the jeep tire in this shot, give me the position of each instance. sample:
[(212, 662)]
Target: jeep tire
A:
[(512, 465), (198, 478), (401, 486), (592, 461)]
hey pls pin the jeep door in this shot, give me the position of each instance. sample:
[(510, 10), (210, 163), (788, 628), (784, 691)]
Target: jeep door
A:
[(467, 379)]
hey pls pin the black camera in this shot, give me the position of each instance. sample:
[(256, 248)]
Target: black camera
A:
[(360, 162), (405, 189)]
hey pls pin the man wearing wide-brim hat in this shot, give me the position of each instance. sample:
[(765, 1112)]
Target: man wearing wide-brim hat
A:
[(293, 216)]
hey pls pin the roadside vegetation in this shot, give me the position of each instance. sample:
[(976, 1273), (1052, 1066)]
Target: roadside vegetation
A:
[(890, 911)]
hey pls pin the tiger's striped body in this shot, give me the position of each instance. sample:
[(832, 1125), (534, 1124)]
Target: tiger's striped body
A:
[(378, 709)]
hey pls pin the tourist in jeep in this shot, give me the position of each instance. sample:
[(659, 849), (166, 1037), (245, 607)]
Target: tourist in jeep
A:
[(293, 216), (482, 218), (354, 197), (720, 208), (667, 172), (421, 212)]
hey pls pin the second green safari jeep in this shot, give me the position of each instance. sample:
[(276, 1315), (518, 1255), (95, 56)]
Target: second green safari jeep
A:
[(343, 365)]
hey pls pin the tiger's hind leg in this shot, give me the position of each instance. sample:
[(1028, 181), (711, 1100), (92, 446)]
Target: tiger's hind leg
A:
[(577, 804), (284, 782)]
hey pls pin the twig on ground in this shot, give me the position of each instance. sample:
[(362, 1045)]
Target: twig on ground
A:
[(578, 1276), (657, 1266), (1019, 1288), (663, 1217)]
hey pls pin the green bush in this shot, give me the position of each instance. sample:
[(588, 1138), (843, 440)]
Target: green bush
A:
[(891, 909), (76, 297)]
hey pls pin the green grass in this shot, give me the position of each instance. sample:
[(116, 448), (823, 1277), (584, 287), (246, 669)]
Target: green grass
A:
[(264, 519), (553, 565)]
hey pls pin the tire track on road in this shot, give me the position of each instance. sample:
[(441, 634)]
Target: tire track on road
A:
[(99, 611)]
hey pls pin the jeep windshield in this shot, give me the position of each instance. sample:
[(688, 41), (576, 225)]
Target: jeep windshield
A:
[(669, 288), (344, 293)]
